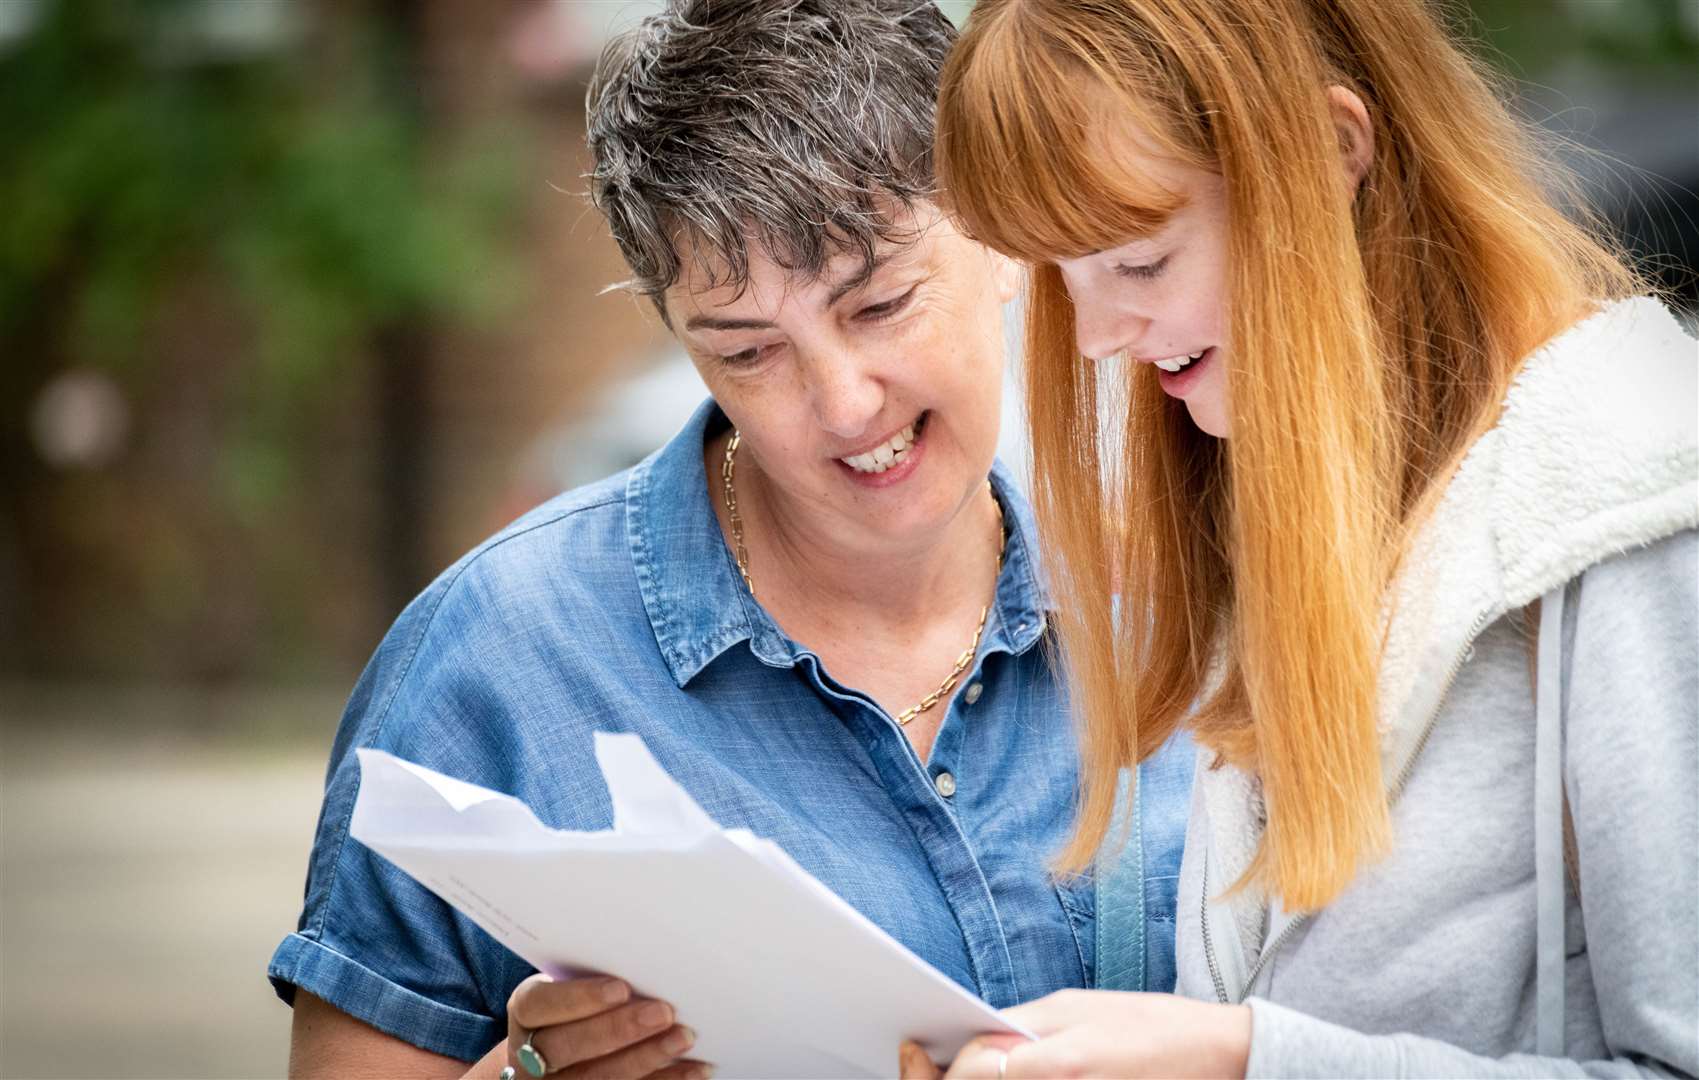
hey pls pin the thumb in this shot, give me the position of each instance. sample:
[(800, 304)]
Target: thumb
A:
[(913, 1063), (1049, 1014)]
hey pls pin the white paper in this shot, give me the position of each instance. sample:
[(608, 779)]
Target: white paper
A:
[(778, 975)]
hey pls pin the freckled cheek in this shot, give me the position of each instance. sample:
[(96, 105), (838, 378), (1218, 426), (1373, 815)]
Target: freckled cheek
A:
[(1212, 300), (957, 364), (775, 408), (1192, 317), (919, 350)]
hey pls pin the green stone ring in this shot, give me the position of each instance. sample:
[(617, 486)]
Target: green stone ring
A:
[(531, 1059)]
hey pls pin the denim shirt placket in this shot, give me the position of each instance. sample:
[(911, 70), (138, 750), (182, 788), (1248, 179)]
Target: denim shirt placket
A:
[(912, 786)]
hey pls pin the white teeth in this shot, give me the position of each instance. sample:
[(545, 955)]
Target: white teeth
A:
[(1178, 363), (883, 457)]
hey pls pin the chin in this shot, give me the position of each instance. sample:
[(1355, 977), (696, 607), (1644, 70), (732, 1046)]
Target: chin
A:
[(1210, 420)]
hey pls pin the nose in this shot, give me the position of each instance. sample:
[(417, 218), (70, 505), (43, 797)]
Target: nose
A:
[(847, 394), (1101, 331)]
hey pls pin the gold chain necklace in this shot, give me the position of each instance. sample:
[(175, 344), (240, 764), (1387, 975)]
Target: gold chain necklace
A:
[(962, 661)]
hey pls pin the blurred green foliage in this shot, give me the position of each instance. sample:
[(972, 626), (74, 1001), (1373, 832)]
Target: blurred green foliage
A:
[(295, 181), (1652, 40)]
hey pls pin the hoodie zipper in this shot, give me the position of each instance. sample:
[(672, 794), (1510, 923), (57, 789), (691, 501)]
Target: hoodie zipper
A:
[(1481, 622), (1208, 945)]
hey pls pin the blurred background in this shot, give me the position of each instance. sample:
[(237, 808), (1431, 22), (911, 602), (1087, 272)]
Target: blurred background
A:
[(299, 299)]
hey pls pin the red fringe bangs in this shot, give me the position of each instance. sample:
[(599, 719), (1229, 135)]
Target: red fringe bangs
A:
[(1022, 146)]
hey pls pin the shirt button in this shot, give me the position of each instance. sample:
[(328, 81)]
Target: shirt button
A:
[(971, 694), (946, 784)]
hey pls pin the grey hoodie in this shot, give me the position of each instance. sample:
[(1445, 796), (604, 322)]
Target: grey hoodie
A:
[(1424, 966)]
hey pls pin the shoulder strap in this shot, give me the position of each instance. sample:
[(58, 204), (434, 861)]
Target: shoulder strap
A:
[(1553, 834), (1120, 894), (1571, 855)]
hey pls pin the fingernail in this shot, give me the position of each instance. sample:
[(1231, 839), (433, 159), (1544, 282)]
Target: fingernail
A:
[(654, 1014), (613, 991), (701, 1072), (679, 1041)]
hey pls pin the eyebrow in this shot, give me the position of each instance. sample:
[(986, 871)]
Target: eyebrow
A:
[(713, 322), (709, 322)]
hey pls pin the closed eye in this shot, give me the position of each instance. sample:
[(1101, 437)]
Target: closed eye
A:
[(1142, 272), (745, 357), (884, 310)]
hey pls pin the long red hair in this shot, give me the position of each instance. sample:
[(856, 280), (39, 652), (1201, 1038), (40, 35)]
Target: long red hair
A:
[(1372, 339)]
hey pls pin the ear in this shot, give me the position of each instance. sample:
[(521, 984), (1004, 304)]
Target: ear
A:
[(1356, 134)]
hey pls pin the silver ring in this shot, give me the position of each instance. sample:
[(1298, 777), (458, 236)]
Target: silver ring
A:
[(506, 1073), (1002, 1065), (530, 1058)]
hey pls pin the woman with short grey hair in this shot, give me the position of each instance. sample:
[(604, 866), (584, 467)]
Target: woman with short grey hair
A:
[(819, 605)]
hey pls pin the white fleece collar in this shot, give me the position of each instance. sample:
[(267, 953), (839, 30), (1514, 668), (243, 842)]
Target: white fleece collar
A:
[(1597, 453)]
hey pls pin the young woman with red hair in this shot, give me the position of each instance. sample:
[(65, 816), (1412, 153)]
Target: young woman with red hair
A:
[(1400, 509)]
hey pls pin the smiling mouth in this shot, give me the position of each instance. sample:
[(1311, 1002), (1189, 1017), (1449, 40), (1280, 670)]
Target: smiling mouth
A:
[(1179, 363), (890, 453)]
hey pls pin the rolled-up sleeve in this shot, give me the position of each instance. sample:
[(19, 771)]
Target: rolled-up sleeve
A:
[(371, 941)]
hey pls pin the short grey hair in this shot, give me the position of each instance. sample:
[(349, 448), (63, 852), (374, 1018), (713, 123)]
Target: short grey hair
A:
[(801, 126)]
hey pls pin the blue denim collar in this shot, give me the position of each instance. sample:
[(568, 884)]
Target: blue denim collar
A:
[(696, 601)]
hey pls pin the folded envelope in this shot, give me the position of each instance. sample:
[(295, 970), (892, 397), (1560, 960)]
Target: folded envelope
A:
[(777, 974)]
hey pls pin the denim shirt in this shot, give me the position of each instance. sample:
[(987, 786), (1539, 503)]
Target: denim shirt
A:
[(618, 607)]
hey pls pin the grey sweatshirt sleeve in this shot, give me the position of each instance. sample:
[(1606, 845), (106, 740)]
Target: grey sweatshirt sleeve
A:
[(1632, 776)]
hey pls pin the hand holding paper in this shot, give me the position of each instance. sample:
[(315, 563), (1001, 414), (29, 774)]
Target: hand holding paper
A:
[(778, 975)]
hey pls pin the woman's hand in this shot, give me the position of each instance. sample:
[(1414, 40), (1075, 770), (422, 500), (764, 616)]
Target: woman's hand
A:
[(594, 1027), (1104, 1033)]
